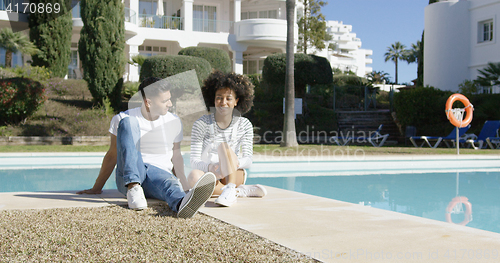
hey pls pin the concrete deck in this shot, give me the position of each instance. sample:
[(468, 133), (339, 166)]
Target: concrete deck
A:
[(325, 229)]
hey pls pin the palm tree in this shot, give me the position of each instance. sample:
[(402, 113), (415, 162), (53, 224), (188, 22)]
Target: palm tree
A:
[(395, 52), (378, 77), (14, 42), (289, 132), (413, 55), (490, 76)]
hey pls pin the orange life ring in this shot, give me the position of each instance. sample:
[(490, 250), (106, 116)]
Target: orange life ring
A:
[(468, 209), (468, 110)]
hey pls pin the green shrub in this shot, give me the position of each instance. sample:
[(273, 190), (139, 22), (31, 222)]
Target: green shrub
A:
[(170, 65), (342, 80), (423, 108), (485, 108), (101, 49), (308, 69), (19, 98), (51, 34), (130, 88), (468, 88), (36, 73), (137, 59), (218, 59), (6, 73)]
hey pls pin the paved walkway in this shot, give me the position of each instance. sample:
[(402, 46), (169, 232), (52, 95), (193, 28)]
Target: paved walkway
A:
[(326, 229)]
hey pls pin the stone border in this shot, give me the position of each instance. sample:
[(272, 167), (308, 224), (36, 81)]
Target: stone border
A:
[(64, 140), (55, 140)]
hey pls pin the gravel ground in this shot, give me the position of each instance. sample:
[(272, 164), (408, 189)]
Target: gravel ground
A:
[(117, 234)]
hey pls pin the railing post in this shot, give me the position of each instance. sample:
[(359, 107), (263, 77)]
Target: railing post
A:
[(366, 98)]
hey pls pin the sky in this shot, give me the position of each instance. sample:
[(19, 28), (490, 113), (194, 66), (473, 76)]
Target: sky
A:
[(380, 23)]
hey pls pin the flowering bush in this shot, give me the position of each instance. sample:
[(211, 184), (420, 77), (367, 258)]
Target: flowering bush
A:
[(19, 99)]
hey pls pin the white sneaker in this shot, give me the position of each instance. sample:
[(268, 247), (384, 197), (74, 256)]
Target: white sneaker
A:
[(228, 195), (136, 199), (245, 176), (256, 190), (197, 196)]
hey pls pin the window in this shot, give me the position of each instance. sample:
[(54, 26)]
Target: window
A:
[(204, 18), (252, 66), (485, 31), (149, 51), (17, 58), (148, 7), (259, 14), (73, 64)]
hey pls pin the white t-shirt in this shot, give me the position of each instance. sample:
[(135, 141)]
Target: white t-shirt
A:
[(157, 137)]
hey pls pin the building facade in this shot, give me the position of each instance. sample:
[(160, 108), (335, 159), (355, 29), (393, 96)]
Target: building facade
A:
[(347, 54), (249, 30), (460, 37)]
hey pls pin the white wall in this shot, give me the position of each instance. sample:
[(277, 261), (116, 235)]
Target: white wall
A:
[(446, 44), (452, 50), (482, 53)]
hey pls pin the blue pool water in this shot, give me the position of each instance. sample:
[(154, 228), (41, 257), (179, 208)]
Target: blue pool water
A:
[(426, 195), (37, 180)]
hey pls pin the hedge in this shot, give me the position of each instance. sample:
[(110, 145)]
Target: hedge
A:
[(19, 99), (218, 59), (423, 108), (308, 69), (169, 65)]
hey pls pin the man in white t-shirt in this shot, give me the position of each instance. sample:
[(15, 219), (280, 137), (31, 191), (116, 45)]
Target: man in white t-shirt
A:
[(145, 147)]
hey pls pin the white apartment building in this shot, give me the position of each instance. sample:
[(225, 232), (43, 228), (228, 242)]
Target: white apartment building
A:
[(249, 30), (461, 36), (347, 55)]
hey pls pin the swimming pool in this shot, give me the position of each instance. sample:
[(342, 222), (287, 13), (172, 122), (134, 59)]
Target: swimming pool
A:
[(36, 180), (420, 186), (426, 195)]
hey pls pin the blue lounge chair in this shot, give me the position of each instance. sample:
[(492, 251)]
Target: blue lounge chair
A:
[(374, 137), (449, 138), (487, 137)]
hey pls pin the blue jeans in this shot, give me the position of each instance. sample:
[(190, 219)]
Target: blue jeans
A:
[(130, 168)]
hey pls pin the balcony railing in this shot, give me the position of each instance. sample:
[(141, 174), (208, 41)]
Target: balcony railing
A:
[(215, 26), (164, 22), (130, 15)]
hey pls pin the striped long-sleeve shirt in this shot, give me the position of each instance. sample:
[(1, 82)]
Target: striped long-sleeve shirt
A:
[(202, 140)]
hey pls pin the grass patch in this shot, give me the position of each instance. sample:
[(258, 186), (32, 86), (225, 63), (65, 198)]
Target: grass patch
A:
[(53, 148), (315, 150), (272, 149)]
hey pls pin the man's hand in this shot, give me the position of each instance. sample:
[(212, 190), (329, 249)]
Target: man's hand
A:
[(91, 191)]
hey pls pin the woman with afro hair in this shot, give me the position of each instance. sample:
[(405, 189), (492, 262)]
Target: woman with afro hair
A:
[(222, 141)]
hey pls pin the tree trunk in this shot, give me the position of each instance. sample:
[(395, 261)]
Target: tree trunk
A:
[(8, 59), (396, 63), (289, 132), (304, 27)]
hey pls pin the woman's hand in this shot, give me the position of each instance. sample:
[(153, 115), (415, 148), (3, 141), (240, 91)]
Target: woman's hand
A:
[(215, 169), (91, 191)]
